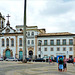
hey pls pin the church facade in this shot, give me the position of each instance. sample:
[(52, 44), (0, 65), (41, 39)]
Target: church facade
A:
[(38, 42)]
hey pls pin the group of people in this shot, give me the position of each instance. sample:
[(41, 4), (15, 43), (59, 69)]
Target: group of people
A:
[(62, 64)]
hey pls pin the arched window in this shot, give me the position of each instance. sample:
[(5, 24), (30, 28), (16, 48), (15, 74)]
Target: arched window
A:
[(28, 33), (12, 42), (2, 42), (20, 41), (32, 42), (28, 41), (32, 33), (7, 42)]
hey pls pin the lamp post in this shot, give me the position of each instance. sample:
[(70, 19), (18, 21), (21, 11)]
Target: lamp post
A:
[(24, 35)]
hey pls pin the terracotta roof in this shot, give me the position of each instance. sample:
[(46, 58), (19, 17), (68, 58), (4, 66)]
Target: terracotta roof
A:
[(56, 34)]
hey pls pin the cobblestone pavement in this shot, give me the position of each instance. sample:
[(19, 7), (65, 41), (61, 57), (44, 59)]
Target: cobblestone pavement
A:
[(33, 68)]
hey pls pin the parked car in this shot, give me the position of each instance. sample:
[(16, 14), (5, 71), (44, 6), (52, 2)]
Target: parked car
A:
[(20, 59), (1, 59), (70, 61), (55, 59), (11, 59), (39, 60), (28, 59), (46, 58)]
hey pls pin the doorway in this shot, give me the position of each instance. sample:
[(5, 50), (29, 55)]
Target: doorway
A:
[(30, 54), (7, 53), (20, 54)]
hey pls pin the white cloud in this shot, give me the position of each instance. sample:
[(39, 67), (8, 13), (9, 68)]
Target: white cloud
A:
[(54, 15)]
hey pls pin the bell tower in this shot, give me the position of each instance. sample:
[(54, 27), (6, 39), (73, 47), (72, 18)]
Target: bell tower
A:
[(2, 21)]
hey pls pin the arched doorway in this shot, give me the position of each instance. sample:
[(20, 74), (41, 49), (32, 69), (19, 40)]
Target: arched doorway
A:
[(20, 54), (30, 54), (7, 53)]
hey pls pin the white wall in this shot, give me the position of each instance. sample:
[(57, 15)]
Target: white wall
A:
[(55, 52)]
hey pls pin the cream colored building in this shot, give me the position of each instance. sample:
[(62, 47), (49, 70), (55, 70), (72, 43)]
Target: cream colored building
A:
[(38, 42)]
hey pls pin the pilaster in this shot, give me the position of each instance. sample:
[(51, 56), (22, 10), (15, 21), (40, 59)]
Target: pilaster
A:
[(16, 48)]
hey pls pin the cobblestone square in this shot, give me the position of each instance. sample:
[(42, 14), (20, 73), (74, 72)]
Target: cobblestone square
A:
[(33, 68)]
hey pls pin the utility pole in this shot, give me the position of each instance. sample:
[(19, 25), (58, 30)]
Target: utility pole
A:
[(24, 35)]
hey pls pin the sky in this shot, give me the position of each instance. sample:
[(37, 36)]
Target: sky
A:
[(53, 15)]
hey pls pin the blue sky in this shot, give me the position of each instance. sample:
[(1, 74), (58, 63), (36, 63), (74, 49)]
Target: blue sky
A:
[(53, 15)]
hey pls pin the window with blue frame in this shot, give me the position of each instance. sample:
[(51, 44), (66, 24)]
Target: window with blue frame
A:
[(28, 33), (2, 42), (45, 49), (28, 41), (39, 42), (70, 49), (52, 49), (64, 41), (64, 49), (71, 42), (58, 42), (51, 42), (20, 42), (32, 33), (32, 42), (45, 42), (12, 42), (58, 49), (7, 42)]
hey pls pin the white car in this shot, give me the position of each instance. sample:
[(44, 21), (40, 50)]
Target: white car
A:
[(1, 59), (11, 59)]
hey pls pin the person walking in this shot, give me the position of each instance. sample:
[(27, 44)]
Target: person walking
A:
[(74, 61), (49, 60), (65, 64), (60, 63)]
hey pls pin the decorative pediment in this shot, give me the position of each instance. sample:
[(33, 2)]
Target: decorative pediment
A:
[(8, 29), (30, 48)]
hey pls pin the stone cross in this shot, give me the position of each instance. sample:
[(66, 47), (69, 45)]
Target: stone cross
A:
[(8, 17)]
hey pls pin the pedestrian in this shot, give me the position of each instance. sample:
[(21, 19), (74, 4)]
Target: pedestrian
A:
[(49, 60), (65, 64), (60, 64), (74, 61), (53, 60)]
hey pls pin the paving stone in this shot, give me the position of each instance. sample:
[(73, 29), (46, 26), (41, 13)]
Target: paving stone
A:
[(33, 68)]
